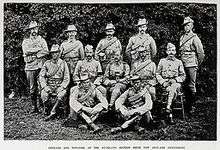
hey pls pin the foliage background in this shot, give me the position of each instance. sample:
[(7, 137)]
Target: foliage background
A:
[(165, 21)]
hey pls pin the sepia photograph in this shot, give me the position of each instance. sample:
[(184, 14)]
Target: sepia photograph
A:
[(110, 71)]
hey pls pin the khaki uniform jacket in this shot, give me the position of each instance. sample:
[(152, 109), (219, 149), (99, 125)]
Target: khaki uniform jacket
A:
[(113, 45), (170, 69), (146, 70), (138, 101), (95, 98), (54, 74), (71, 52), (84, 67), (33, 52), (141, 40), (114, 71), (191, 50)]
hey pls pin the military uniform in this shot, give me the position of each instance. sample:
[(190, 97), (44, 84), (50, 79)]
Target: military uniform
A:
[(87, 103), (107, 46), (140, 40), (192, 55), (34, 50), (116, 75), (134, 105), (54, 79), (146, 70), (170, 68), (72, 52), (91, 67)]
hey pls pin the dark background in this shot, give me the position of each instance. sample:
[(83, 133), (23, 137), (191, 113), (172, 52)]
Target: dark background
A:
[(165, 21)]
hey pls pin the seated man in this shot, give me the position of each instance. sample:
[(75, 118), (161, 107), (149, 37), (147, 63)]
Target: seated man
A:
[(115, 77), (134, 106), (54, 78), (146, 69), (90, 66), (87, 101), (170, 74)]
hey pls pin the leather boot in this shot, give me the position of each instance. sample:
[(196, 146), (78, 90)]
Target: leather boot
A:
[(34, 104)]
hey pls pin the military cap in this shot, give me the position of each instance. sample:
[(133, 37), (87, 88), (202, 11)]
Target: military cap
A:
[(170, 45), (142, 22), (101, 54), (55, 48), (134, 77), (88, 48), (70, 28), (109, 26), (33, 24), (84, 77), (187, 20)]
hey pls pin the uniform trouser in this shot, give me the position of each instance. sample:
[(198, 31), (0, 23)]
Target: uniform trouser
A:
[(191, 78), (32, 77), (116, 91), (172, 92), (59, 98), (88, 115)]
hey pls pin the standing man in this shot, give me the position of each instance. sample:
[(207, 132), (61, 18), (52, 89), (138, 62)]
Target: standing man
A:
[(146, 70), (87, 102), (134, 107), (116, 75), (141, 39), (192, 55), (54, 79), (170, 74), (107, 47), (34, 51), (72, 49)]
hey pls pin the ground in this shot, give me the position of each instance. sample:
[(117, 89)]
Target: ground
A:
[(19, 124)]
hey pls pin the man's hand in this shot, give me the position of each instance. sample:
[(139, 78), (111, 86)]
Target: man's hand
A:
[(47, 89), (96, 110)]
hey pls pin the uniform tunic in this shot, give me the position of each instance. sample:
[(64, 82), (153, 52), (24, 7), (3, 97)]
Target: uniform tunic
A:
[(71, 52), (141, 40)]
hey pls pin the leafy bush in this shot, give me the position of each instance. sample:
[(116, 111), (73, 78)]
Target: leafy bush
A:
[(165, 21)]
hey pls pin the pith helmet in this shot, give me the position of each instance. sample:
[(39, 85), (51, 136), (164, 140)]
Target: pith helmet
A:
[(88, 48), (109, 26), (187, 20), (142, 22), (33, 24), (71, 28), (55, 48), (170, 45)]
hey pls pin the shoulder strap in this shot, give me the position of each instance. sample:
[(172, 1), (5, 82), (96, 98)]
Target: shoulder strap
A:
[(76, 44), (141, 66), (138, 95), (87, 95), (108, 45), (187, 40)]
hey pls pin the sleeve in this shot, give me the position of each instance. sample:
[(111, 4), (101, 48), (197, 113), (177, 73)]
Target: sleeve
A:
[(77, 69), (44, 49), (61, 51), (66, 77), (74, 104), (182, 75), (81, 51), (153, 82), (102, 99), (119, 46), (27, 48), (158, 73), (98, 48), (121, 100), (153, 47), (199, 49), (127, 70), (42, 76)]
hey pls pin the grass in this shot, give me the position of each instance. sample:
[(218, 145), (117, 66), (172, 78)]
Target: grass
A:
[(19, 124)]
